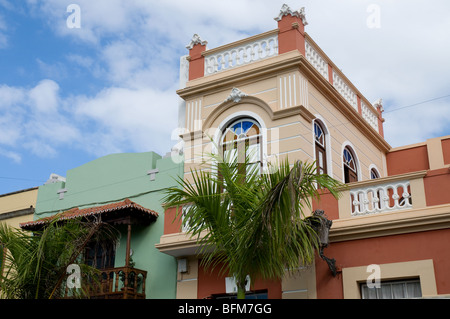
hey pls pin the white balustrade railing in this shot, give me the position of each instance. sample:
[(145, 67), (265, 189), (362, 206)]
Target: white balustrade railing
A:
[(316, 60), (369, 116), (242, 54), (380, 198), (344, 89)]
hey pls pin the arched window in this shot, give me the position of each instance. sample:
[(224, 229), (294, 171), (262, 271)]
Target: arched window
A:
[(243, 138), (350, 167), (320, 148), (374, 173)]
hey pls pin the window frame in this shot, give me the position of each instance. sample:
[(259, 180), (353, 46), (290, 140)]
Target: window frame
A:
[(392, 283), (245, 142), (350, 174), (320, 148)]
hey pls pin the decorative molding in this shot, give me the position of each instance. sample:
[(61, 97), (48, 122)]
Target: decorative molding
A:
[(17, 213), (61, 193), (393, 223), (196, 40), (379, 103), (236, 95), (285, 10), (152, 173)]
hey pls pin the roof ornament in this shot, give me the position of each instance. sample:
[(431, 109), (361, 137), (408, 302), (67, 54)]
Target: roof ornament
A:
[(379, 103), (285, 10), (236, 95), (196, 40)]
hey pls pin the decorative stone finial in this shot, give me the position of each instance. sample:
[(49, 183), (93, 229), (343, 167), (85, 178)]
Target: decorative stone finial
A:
[(196, 40), (285, 10), (379, 103), (236, 95)]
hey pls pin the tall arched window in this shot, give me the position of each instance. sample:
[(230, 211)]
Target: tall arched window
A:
[(320, 148), (243, 138), (350, 166)]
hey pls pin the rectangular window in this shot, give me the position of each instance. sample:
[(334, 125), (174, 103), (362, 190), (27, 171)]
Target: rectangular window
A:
[(402, 289), (249, 295)]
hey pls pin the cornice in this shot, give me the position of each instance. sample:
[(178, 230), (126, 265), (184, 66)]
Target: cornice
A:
[(389, 179), (330, 92), (237, 76), (337, 70), (394, 223)]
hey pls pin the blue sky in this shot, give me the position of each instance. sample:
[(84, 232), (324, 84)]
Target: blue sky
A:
[(70, 95)]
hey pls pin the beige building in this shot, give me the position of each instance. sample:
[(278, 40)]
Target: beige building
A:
[(18, 207), (280, 92), (15, 208)]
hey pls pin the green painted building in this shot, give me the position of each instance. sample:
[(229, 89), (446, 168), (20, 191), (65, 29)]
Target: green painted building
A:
[(139, 178)]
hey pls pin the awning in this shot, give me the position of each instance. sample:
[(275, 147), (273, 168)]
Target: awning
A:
[(123, 212)]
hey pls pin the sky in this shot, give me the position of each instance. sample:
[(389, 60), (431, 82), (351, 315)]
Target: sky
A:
[(81, 79)]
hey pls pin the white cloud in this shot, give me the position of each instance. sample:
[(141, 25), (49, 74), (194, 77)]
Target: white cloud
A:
[(33, 119), (128, 119), (44, 97), (136, 46)]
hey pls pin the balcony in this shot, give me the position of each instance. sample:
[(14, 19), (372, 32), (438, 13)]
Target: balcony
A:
[(117, 283), (388, 206), (379, 207)]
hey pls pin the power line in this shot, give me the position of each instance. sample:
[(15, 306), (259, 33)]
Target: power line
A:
[(423, 102), (21, 179)]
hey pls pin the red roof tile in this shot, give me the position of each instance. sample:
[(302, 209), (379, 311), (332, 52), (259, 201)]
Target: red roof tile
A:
[(90, 211)]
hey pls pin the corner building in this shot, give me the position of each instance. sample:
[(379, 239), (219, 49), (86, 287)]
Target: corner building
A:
[(280, 91)]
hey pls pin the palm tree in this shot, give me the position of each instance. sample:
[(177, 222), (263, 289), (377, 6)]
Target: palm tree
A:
[(252, 224), (35, 264)]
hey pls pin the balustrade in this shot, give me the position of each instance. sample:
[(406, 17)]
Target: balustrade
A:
[(381, 198), (241, 54), (116, 283)]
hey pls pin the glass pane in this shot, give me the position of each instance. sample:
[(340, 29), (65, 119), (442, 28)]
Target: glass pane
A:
[(398, 291), (230, 154), (254, 153), (320, 159), (386, 292), (373, 174), (246, 125), (371, 293), (317, 130), (237, 128), (229, 136), (254, 130), (413, 290)]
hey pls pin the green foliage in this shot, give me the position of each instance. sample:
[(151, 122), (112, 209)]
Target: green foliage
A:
[(251, 223), (35, 263)]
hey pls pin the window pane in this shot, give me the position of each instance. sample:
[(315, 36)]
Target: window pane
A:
[(254, 153), (371, 293), (237, 128), (246, 125), (413, 290), (386, 292), (398, 291), (393, 290)]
